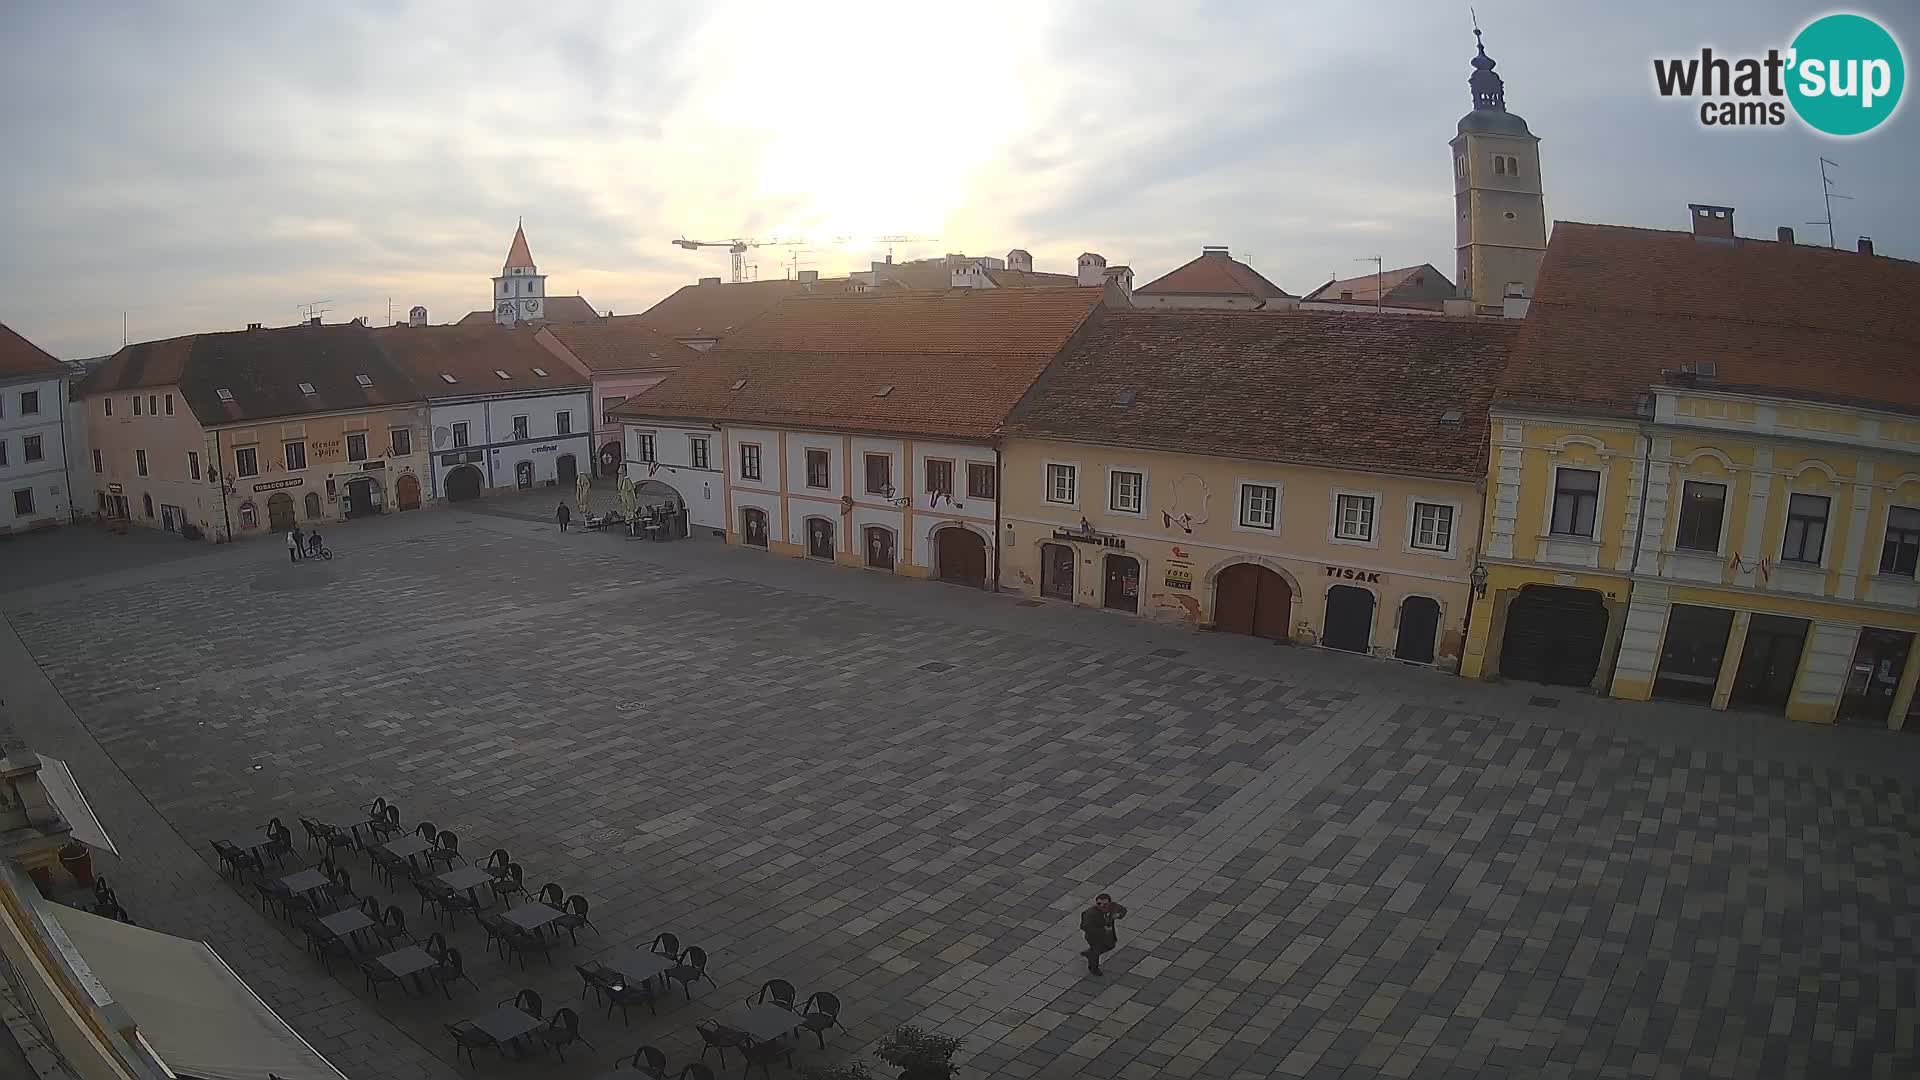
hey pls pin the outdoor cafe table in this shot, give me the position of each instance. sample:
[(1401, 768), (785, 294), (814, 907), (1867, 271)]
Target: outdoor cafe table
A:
[(766, 1022), (411, 960), (350, 921), (250, 840), (406, 847), (637, 965), (468, 878), (533, 916), (506, 1023), (305, 881)]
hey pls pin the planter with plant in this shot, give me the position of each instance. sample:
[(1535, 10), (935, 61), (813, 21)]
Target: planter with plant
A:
[(79, 862), (919, 1055)]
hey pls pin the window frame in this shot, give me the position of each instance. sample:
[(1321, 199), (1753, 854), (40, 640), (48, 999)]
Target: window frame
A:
[(1336, 522), (563, 422), (362, 436), (868, 459), (1139, 508), (21, 511), (169, 404), (645, 448), (462, 434), (826, 468), (1415, 503), (522, 428), (193, 464), (750, 461), (246, 461), (140, 461), (32, 448), (397, 435), (136, 405), (1680, 537), (991, 489), (700, 451), (1790, 519), (1910, 543), (1071, 473), (926, 471), (99, 462), (1553, 504), (287, 454), (1241, 491), (29, 396)]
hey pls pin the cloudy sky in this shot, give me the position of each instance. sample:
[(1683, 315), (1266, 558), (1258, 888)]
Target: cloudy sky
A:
[(202, 166)]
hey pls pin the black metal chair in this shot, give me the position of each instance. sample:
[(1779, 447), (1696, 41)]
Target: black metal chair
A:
[(718, 1036), (692, 967), (696, 1071), (327, 946), (764, 1054), (377, 973), (562, 1031), (779, 990), (520, 942), (235, 860), (427, 831), (279, 843), (445, 849), (436, 945), (624, 994), (392, 926), (497, 863), (552, 895), (648, 1061), (513, 881), (391, 868), (527, 1001), (665, 944), (315, 837), (595, 977), (468, 1038), (386, 824), (272, 893), (576, 917), (339, 888), (821, 1011), (433, 898), (453, 902), (334, 838), (451, 967)]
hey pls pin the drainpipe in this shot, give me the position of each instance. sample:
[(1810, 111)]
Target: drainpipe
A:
[(226, 519), (1639, 533), (997, 496), (66, 454)]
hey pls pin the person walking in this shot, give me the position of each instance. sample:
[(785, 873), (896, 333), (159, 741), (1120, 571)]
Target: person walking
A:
[(1096, 924), (562, 515), (293, 544)]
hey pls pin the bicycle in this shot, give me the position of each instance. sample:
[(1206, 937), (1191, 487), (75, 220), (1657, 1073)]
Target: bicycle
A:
[(320, 550)]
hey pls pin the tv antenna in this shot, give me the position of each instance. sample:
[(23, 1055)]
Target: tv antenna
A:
[(310, 312), (1378, 278), (1827, 195)]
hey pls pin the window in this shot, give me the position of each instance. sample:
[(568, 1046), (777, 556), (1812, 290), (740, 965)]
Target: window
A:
[(98, 464), (1353, 517), (295, 455), (699, 452), (23, 501), (880, 475), (1258, 505), (940, 477), (749, 461), (249, 515), (364, 380), (1900, 554), (246, 462), (140, 462), (107, 403), (306, 389), (1806, 529), (1432, 527), (3, 454), (503, 376), (563, 423), (136, 404), (224, 394), (357, 446), (1499, 165), (448, 379), (30, 448), (646, 447), (1126, 491), (146, 505), (819, 466), (1061, 484), (193, 464), (401, 440), (1576, 496), (608, 404), (982, 483), (520, 427), (30, 402), (540, 371), (169, 404), (460, 434), (1702, 507)]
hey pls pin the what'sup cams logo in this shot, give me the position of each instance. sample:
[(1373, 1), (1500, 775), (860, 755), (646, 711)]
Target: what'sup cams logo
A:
[(1842, 75)]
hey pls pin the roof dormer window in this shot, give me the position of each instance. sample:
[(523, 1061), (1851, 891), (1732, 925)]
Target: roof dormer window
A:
[(448, 379), (363, 380), (306, 388), (224, 394), (542, 372), (502, 374)]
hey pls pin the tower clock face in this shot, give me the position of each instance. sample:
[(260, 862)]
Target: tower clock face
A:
[(531, 307)]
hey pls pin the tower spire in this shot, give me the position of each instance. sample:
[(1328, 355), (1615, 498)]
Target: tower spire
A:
[(1489, 91)]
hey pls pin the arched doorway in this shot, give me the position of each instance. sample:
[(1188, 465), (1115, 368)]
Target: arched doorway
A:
[(819, 538), (753, 527), (363, 497), (961, 555), (1254, 600), (407, 490), (280, 512), (313, 506), (523, 475), (609, 460), (146, 504), (463, 483), (1349, 623), (1554, 635), (249, 515), (1056, 571), (1419, 627), (879, 547), (660, 497), (565, 469), (1123, 583)]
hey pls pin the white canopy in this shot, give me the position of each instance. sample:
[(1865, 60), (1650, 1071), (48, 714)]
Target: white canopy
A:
[(65, 793), (198, 1015)]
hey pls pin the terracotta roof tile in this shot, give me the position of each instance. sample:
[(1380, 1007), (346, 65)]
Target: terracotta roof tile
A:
[(623, 343), (1033, 279), (713, 310), (1364, 287), (141, 364), (1616, 306), (474, 355), (1214, 273), (263, 370), (956, 362), (517, 253), (1333, 389), (18, 356)]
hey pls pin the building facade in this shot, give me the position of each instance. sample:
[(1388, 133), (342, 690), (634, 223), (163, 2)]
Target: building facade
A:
[(625, 357), (322, 467), (1333, 504), (35, 492), (1705, 477)]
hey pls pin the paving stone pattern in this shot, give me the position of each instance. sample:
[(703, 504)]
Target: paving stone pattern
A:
[(1326, 878)]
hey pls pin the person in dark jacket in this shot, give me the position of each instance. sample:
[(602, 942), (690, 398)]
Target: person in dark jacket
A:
[(562, 515), (1096, 924)]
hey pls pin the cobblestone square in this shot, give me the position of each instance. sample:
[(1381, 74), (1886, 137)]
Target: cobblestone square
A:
[(904, 793)]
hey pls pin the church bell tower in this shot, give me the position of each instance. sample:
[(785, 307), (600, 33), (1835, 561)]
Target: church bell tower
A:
[(520, 292), (1500, 205)]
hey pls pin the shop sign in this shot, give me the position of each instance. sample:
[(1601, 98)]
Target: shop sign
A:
[(1085, 534), (373, 466), (115, 489), (1347, 573), (1180, 575), (273, 485)]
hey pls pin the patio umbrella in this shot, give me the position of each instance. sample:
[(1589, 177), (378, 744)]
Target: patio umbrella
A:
[(629, 494), (583, 493)]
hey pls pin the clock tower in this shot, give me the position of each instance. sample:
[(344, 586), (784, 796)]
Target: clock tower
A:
[(1501, 233), (520, 292)]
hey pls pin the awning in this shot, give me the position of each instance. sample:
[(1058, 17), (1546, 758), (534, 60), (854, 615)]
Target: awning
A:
[(72, 805), (198, 1015)]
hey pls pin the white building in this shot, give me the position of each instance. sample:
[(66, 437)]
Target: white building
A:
[(509, 408), (34, 489)]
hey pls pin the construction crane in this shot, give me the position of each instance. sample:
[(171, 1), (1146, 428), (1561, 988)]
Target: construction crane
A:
[(736, 248)]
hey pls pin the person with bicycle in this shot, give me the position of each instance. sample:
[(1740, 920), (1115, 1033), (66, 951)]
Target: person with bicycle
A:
[(313, 543)]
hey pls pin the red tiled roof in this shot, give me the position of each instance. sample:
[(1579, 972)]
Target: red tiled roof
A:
[(1335, 389), (623, 343), (474, 355), (1214, 273), (1616, 306), (517, 253), (947, 364), (18, 356), (711, 311), (141, 365), (1365, 288), (1033, 279)]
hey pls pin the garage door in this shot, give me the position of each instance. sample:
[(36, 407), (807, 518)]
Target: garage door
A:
[(1554, 635)]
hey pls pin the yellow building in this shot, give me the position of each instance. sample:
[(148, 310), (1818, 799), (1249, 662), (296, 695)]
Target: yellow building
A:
[(1309, 477), (1704, 480)]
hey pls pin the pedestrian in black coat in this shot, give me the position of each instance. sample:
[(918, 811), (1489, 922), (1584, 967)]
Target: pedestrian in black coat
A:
[(562, 515), (1096, 924)]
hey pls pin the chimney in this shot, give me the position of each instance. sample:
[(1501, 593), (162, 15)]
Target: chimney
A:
[(808, 277), (1215, 249), (1866, 245), (253, 326), (709, 281), (418, 316), (1457, 307), (315, 321), (1020, 259), (1786, 236), (1093, 270), (1514, 305), (1712, 222)]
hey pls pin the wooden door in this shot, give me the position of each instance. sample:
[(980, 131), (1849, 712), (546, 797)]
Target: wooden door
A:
[(407, 488), (753, 527), (1554, 635), (1056, 571), (1419, 624), (1349, 623), (280, 512), (962, 555), (879, 547), (820, 538), (565, 470), (1769, 661), (1253, 600), (1123, 583)]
